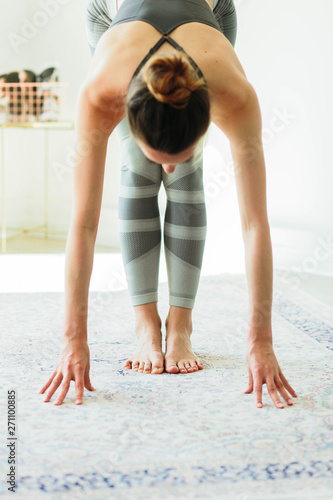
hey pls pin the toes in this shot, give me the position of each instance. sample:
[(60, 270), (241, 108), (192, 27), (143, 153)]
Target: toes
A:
[(147, 367), (182, 368), (194, 366), (199, 363), (141, 366), (172, 369), (157, 369), (158, 365), (171, 366)]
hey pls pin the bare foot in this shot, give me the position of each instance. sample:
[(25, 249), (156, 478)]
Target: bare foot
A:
[(179, 356), (148, 358)]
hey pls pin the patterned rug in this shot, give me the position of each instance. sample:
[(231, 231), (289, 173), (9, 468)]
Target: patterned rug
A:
[(143, 436)]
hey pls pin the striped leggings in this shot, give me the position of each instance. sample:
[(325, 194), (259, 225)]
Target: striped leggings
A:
[(184, 229)]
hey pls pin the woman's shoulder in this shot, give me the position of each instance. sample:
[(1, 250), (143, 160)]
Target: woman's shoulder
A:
[(225, 75), (116, 57), (121, 49), (217, 60), (106, 80)]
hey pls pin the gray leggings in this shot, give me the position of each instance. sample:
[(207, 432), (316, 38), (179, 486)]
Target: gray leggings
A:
[(139, 219)]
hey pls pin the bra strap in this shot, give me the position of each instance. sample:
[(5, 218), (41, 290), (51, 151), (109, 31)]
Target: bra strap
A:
[(167, 38), (150, 53), (180, 49)]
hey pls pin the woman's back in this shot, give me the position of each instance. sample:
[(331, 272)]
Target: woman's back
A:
[(128, 41)]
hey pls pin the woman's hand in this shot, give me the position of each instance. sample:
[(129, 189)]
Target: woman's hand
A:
[(73, 364), (263, 368)]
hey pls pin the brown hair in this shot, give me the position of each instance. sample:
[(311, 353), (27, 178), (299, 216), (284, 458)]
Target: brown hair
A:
[(168, 104)]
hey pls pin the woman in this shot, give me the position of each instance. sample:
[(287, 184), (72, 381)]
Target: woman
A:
[(162, 72)]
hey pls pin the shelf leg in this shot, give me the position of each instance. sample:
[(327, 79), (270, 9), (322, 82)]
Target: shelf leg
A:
[(3, 200), (46, 184)]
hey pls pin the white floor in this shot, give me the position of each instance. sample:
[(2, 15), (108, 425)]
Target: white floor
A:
[(194, 436), (25, 269)]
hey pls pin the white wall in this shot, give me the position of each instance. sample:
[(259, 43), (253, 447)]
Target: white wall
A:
[(286, 51), (285, 48), (37, 34)]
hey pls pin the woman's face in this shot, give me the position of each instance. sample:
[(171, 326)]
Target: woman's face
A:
[(168, 162)]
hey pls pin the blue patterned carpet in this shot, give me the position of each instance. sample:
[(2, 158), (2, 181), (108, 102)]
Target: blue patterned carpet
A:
[(142, 436)]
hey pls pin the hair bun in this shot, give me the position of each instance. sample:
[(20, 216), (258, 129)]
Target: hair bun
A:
[(171, 80)]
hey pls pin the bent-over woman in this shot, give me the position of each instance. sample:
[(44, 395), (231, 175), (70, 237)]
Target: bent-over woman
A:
[(161, 72)]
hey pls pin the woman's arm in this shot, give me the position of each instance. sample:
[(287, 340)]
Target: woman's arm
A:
[(93, 131), (95, 121), (242, 125), (243, 129)]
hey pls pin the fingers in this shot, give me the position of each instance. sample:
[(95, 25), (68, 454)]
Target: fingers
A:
[(79, 383), (79, 386), (87, 383), (249, 385), (258, 390), (272, 387), (54, 386), (74, 365), (287, 385), (267, 371), (64, 390), (272, 390), (48, 383), (280, 387)]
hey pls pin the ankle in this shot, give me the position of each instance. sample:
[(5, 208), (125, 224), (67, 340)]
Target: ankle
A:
[(147, 314), (179, 317)]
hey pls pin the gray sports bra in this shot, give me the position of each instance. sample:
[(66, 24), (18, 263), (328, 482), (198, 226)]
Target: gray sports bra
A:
[(165, 16)]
